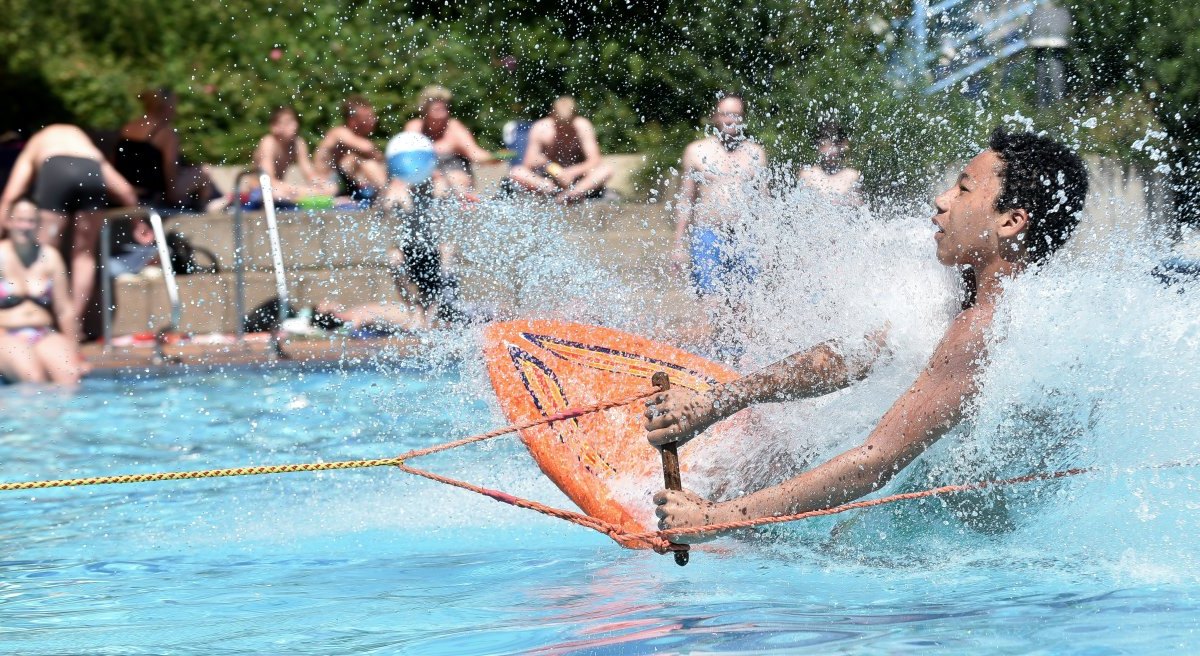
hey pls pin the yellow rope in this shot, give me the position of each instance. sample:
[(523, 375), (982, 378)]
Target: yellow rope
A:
[(320, 466), (210, 473)]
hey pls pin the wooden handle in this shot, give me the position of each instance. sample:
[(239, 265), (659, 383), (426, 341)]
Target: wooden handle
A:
[(670, 459)]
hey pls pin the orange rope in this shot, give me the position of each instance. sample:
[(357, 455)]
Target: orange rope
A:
[(619, 535), (565, 414), (906, 496)]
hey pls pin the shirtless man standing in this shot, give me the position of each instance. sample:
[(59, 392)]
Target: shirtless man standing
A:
[(348, 152), (282, 148), (830, 176), (719, 171)]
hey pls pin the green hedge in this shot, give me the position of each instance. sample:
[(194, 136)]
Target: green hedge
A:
[(645, 72)]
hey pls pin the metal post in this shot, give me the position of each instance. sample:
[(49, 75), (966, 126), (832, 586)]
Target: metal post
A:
[(106, 282), (239, 261), (1050, 34), (919, 32)]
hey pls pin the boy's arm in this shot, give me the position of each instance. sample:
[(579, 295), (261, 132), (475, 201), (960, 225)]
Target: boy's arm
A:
[(535, 150), (471, 148), (304, 162), (264, 158), (64, 308), (926, 412), (679, 415), (688, 192)]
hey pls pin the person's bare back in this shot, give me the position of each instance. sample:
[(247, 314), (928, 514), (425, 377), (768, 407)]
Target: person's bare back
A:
[(64, 140)]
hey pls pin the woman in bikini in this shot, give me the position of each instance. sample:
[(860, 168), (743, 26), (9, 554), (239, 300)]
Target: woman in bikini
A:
[(33, 298), (455, 146)]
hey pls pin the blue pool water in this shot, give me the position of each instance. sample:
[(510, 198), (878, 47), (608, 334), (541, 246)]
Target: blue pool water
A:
[(356, 562)]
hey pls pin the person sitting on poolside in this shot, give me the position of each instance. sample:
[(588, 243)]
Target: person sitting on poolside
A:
[(1015, 204), (69, 179), (830, 176), (563, 157), (33, 297), (453, 143), (283, 148), (347, 154), (148, 156)]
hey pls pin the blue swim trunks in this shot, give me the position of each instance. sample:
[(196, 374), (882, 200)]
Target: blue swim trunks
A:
[(718, 264)]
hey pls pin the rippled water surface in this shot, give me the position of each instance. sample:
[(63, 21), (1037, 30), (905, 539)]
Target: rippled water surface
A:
[(375, 562)]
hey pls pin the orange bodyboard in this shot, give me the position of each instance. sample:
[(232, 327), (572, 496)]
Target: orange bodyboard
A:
[(540, 368)]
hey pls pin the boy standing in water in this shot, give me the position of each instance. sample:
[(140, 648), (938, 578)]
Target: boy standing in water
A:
[(1014, 204), (721, 174), (830, 176)]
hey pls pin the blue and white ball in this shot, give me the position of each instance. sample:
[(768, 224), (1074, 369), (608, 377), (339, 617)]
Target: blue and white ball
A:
[(410, 157)]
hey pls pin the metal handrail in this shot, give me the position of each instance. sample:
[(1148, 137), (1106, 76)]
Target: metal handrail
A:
[(168, 269), (239, 268), (281, 289), (106, 281), (239, 261)]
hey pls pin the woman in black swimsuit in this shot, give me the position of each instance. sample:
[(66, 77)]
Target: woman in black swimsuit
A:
[(33, 297)]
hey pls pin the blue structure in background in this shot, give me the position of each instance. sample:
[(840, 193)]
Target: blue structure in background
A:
[(943, 45)]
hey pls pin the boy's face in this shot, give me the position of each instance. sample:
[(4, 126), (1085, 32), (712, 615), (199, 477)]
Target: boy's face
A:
[(967, 220)]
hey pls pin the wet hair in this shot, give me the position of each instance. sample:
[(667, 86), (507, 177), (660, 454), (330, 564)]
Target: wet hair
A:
[(278, 113), (434, 93), (725, 95), (153, 100), (832, 131), (1046, 179), (352, 104)]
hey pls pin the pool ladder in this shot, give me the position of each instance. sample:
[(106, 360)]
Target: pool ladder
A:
[(172, 285)]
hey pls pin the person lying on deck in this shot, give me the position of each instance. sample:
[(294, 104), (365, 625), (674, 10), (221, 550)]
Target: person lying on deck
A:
[(1015, 204)]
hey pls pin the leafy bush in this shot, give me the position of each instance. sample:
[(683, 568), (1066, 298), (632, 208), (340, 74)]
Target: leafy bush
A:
[(645, 72)]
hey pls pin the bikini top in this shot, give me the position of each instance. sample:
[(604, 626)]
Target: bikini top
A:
[(9, 298)]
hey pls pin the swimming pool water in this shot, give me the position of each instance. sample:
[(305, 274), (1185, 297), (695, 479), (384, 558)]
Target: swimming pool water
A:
[(374, 561)]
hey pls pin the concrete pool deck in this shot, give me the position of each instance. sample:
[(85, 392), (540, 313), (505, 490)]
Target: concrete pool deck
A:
[(142, 359)]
